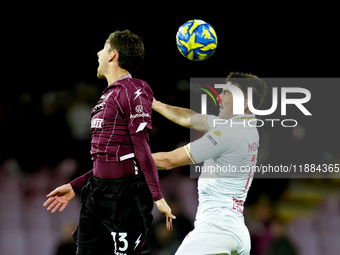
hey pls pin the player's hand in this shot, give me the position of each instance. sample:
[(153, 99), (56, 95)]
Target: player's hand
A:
[(164, 208), (59, 198)]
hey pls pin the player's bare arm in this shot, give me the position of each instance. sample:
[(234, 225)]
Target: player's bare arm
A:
[(181, 116), (59, 198), (171, 159)]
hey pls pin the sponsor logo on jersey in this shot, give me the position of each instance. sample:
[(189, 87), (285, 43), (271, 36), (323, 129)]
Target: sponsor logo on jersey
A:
[(238, 205), (253, 146), (139, 108), (137, 93), (105, 97), (218, 133), (97, 123), (98, 107), (211, 139), (139, 115)]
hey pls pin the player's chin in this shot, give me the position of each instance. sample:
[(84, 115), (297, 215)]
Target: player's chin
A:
[(222, 116), (100, 76)]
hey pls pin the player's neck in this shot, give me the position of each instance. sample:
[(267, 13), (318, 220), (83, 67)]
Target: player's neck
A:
[(247, 111), (115, 76)]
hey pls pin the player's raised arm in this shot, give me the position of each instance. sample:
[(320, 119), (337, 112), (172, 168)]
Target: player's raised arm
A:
[(181, 116)]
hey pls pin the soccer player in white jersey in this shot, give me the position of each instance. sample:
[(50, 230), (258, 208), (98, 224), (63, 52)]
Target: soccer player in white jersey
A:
[(229, 151)]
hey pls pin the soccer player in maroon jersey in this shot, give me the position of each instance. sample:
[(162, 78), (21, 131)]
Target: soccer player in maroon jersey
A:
[(117, 194)]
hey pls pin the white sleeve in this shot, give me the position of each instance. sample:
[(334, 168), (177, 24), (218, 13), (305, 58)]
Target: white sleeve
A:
[(213, 144), (211, 121), (208, 120)]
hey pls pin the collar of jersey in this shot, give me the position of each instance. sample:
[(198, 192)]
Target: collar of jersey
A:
[(121, 78), (125, 76), (244, 117)]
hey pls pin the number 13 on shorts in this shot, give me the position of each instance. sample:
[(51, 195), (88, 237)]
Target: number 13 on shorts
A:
[(122, 239), (123, 244)]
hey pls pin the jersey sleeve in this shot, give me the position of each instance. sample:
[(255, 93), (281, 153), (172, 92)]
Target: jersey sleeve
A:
[(211, 121), (136, 108), (211, 145), (135, 104), (143, 155), (78, 183)]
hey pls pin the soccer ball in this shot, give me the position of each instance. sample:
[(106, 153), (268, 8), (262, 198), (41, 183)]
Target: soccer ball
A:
[(196, 40)]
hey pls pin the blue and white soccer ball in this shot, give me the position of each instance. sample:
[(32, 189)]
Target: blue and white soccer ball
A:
[(196, 40)]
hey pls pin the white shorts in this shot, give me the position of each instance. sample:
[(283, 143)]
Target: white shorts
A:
[(218, 234)]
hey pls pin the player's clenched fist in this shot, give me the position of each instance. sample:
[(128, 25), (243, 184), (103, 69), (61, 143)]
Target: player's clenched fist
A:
[(59, 198)]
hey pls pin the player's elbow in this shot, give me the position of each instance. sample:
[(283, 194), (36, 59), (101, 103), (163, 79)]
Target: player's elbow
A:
[(164, 160), (172, 161), (182, 121), (186, 123), (168, 163)]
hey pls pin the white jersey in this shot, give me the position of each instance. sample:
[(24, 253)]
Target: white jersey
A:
[(229, 151)]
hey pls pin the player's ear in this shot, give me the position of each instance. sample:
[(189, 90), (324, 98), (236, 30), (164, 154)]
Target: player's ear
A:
[(112, 55), (245, 105)]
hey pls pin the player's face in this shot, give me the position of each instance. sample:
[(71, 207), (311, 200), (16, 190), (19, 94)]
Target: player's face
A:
[(226, 109), (103, 57)]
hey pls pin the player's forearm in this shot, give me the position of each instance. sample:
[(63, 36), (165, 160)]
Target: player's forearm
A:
[(146, 163), (180, 116), (171, 159), (78, 183), (151, 177), (162, 161)]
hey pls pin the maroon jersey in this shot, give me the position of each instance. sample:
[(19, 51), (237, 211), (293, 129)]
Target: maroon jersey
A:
[(124, 108), (120, 127)]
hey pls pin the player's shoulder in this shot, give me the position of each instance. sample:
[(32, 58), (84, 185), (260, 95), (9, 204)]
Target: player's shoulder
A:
[(229, 129), (211, 121), (133, 83), (133, 86), (215, 122)]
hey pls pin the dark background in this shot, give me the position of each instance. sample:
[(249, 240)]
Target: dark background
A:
[(53, 47)]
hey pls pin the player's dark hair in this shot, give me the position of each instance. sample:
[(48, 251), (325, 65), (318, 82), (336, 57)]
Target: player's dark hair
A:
[(130, 49), (243, 81)]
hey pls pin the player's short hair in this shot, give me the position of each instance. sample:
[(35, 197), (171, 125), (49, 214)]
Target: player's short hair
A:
[(245, 80), (130, 49)]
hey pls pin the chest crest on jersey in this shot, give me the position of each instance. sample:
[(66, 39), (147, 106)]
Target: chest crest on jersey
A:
[(102, 103), (218, 133), (98, 107), (105, 97)]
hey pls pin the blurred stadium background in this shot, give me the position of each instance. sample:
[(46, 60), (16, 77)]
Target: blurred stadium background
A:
[(44, 120)]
